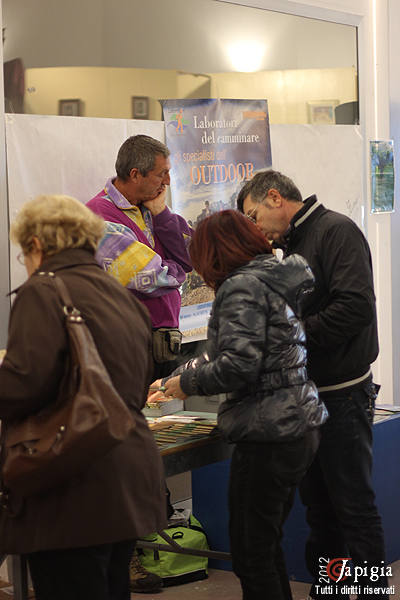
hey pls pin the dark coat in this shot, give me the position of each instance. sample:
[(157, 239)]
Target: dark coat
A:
[(340, 314), (122, 495), (256, 353)]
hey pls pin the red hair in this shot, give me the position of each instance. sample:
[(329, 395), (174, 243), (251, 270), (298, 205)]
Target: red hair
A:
[(223, 242)]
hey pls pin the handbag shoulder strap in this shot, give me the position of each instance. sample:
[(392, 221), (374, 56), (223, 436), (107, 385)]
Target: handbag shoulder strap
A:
[(63, 293)]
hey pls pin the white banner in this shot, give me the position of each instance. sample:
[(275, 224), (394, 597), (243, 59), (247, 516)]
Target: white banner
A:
[(76, 155), (63, 155)]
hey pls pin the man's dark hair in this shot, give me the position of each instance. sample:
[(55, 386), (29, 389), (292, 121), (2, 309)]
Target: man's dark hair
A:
[(259, 186), (139, 152)]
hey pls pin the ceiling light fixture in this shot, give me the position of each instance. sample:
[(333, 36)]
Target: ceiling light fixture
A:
[(246, 56)]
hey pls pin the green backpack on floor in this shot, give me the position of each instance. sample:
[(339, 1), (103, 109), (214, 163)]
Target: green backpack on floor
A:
[(175, 568)]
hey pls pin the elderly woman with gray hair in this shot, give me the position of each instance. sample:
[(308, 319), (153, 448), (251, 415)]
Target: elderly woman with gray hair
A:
[(78, 537)]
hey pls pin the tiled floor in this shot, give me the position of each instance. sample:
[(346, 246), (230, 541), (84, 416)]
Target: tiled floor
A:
[(223, 585)]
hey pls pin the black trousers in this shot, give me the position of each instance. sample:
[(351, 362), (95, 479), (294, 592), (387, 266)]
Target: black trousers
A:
[(263, 481), (338, 495), (93, 573)]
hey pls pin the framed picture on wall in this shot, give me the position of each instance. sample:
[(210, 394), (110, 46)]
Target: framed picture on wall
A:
[(322, 112), (140, 107), (69, 108), (382, 175)]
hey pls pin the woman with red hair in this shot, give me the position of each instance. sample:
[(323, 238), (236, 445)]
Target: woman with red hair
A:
[(255, 354)]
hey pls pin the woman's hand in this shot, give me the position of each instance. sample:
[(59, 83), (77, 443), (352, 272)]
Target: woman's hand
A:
[(155, 392), (155, 387), (173, 388)]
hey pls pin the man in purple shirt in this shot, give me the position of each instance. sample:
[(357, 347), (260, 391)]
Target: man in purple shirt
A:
[(145, 248), (145, 244)]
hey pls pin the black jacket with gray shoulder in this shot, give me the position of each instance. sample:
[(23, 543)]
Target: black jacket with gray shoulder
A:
[(256, 354), (340, 314)]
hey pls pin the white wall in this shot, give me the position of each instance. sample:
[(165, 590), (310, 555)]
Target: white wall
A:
[(394, 89)]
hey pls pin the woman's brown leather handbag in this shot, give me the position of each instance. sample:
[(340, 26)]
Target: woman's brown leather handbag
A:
[(88, 419)]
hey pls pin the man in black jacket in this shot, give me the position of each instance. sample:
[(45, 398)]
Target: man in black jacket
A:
[(342, 342)]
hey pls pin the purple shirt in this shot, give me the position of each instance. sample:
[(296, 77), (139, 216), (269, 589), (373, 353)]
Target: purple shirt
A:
[(147, 254)]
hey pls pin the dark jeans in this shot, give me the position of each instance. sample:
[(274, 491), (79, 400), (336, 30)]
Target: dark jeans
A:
[(337, 490), (263, 481), (96, 573)]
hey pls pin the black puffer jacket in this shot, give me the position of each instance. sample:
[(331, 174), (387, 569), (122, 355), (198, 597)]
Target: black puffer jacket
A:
[(256, 354)]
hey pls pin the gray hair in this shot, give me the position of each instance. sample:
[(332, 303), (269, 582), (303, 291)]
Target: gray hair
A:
[(139, 152), (59, 222), (259, 186)]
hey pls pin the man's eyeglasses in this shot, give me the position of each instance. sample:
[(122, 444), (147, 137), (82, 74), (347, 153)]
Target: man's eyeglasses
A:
[(252, 215), (21, 258)]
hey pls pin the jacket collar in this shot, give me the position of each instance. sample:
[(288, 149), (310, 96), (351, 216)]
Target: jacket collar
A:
[(71, 257), (310, 204), (116, 197), (66, 259)]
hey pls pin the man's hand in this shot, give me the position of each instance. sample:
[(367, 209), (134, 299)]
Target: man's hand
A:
[(173, 388), (157, 204)]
